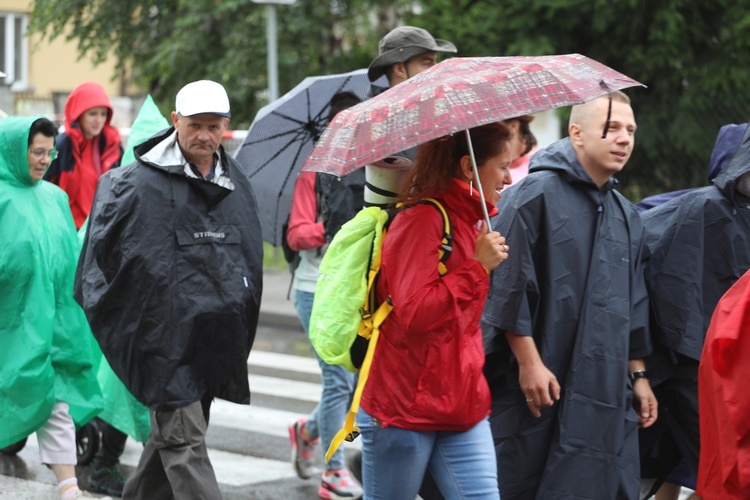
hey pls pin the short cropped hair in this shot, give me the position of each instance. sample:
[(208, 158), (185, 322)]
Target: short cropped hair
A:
[(578, 114)]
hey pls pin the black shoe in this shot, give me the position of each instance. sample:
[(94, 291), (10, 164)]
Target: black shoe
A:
[(107, 479)]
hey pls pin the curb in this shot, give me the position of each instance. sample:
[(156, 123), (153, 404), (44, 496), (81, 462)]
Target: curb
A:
[(270, 318)]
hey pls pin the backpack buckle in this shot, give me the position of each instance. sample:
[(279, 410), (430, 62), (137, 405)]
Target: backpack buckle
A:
[(352, 436)]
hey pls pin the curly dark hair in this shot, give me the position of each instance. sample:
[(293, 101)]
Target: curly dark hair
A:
[(440, 160)]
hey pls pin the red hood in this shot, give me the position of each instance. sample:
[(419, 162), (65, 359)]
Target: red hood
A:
[(84, 97)]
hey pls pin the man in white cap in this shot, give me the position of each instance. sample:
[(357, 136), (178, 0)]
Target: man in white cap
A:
[(170, 277)]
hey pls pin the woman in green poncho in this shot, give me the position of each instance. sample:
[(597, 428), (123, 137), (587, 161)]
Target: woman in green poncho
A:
[(47, 380)]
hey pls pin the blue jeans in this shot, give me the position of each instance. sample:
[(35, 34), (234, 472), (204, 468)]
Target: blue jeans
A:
[(394, 461), (338, 386)]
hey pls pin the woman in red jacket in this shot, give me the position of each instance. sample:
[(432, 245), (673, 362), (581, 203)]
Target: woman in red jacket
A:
[(426, 402), (89, 147)]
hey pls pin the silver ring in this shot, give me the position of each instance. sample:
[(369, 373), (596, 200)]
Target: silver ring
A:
[(506, 248), (529, 400)]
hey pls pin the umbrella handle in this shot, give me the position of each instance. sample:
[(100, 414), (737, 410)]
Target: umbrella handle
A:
[(476, 179)]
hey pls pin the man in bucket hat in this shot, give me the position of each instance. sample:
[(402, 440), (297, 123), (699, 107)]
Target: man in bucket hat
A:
[(405, 52)]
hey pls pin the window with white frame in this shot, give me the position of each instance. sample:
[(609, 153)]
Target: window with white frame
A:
[(14, 49)]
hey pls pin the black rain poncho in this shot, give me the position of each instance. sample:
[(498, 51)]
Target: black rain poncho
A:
[(170, 278), (699, 246), (573, 281)]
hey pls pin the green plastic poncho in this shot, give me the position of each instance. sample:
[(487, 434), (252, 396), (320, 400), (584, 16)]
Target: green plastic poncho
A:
[(148, 122), (46, 352)]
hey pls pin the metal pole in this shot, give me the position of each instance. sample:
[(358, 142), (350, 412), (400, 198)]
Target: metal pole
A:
[(479, 183), (273, 74)]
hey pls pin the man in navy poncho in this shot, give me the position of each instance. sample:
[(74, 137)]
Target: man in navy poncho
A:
[(566, 320), (699, 246)]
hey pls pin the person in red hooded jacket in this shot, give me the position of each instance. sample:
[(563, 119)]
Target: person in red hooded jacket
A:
[(426, 402), (724, 465), (89, 147)]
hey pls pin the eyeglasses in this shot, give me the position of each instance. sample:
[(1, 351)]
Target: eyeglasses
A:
[(41, 153)]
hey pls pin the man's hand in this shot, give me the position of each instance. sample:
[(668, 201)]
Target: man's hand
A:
[(645, 403), (539, 385)]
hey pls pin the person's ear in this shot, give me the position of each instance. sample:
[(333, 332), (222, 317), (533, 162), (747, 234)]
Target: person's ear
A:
[(175, 117), (399, 70), (514, 125), (465, 163), (575, 131)]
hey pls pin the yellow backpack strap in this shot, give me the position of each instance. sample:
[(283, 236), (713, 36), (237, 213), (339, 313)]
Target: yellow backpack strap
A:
[(369, 328), (446, 243), (350, 429)]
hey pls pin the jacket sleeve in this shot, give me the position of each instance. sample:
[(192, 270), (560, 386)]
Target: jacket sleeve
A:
[(640, 339), (674, 273), (422, 299), (514, 289), (305, 231)]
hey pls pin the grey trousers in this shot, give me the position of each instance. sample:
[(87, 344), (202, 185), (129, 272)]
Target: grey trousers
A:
[(175, 463)]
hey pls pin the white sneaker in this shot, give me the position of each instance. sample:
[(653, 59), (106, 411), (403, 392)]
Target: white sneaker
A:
[(86, 494), (339, 485)]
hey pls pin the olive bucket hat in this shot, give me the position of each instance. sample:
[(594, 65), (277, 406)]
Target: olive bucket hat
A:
[(403, 43)]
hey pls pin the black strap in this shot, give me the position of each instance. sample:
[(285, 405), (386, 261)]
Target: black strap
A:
[(447, 239), (380, 191)]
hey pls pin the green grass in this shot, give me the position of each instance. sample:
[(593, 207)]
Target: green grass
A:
[(273, 257)]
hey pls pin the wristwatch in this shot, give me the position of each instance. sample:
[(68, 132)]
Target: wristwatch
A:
[(637, 374)]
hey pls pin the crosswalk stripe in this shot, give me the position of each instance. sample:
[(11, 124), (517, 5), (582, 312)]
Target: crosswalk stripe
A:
[(251, 418), (257, 419), (279, 387), (288, 362)]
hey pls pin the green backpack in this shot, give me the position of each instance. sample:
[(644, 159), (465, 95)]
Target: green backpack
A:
[(345, 319)]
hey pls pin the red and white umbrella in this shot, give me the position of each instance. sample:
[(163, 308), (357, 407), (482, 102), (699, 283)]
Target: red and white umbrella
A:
[(454, 95)]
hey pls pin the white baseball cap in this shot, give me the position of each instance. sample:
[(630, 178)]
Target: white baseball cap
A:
[(203, 96)]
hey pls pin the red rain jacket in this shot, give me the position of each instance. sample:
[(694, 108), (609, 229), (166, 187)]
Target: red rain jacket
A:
[(74, 169), (724, 400), (426, 372)]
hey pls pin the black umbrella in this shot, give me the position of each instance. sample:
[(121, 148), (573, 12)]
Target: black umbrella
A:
[(283, 135)]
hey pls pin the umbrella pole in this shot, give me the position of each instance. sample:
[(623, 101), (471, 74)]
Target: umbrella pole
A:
[(478, 182)]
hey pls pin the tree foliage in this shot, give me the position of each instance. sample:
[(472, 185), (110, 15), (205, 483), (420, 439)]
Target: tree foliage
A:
[(693, 55), (163, 45)]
